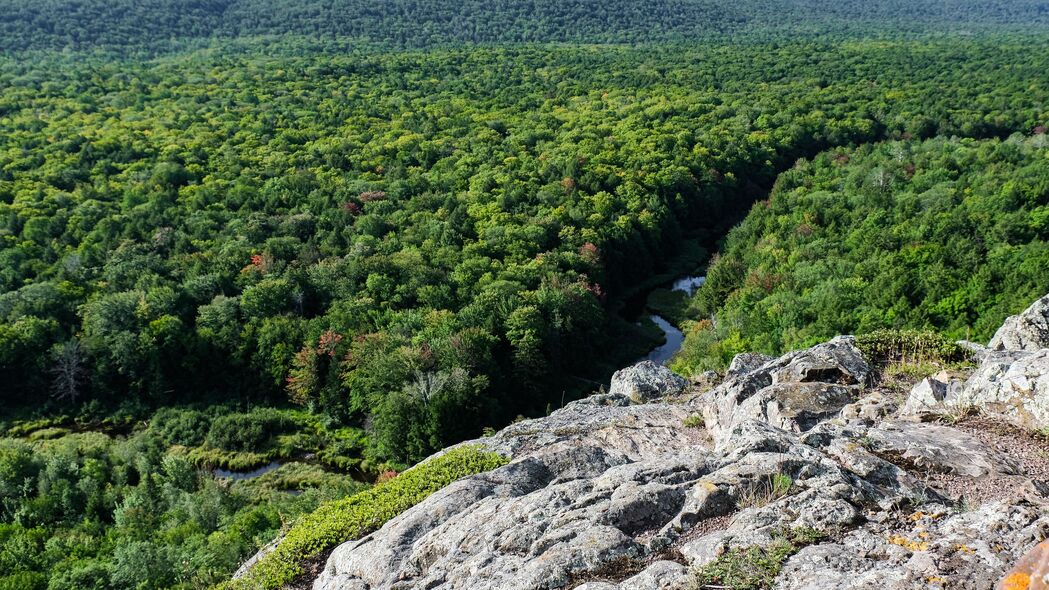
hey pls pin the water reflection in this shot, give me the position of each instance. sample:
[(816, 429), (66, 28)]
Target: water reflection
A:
[(688, 284), (673, 337), (241, 475)]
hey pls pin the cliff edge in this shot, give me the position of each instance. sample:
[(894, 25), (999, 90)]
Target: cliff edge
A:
[(809, 469)]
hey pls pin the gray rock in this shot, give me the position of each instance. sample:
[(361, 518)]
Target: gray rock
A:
[(925, 400), (635, 429), (796, 407), (587, 484), (977, 350), (1013, 385), (746, 362), (1027, 331), (938, 449), (646, 381), (837, 361), (969, 550), (794, 441), (869, 409), (810, 385)]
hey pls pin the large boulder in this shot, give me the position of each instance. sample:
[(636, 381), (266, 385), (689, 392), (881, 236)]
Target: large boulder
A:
[(745, 362), (646, 381), (794, 391), (1026, 331), (1014, 385), (838, 361), (795, 407)]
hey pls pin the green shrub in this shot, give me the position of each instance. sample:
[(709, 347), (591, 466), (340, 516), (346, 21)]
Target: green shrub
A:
[(250, 431), (753, 568), (883, 347), (767, 490), (80, 575), (23, 581), (694, 421), (179, 426), (350, 518)]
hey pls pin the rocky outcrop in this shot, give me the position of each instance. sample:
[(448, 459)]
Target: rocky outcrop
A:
[(793, 392), (746, 362), (935, 547), (1026, 331), (1012, 384), (1011, 380), (623, 491)]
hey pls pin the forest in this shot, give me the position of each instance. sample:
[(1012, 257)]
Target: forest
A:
[(318, 238), (166, 26), (947, 234)]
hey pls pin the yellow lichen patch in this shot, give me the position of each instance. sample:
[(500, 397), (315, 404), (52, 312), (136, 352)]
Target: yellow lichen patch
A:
[(909, 544), (916, 516), (708, 485), (964, 548), (1031, 572), (1016, 581), (923, 535), (936, 580)]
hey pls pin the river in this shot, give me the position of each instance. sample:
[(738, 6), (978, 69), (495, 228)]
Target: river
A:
[(242, 475), (673, 338)]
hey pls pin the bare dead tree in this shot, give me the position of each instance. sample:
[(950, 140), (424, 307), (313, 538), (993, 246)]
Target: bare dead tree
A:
[(67, 370)]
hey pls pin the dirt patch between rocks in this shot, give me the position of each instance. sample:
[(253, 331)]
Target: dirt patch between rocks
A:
[(1028, 450), (705, 527), (311, 571)]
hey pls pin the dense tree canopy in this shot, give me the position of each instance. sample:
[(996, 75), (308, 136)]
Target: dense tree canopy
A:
[(949, 234), (171, 25), (406, 237), (346, 233)]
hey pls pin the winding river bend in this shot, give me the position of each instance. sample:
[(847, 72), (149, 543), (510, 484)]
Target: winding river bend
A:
[(673, 338)]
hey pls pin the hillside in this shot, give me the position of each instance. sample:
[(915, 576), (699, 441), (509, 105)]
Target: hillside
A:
[(164, 25), (948, 234)]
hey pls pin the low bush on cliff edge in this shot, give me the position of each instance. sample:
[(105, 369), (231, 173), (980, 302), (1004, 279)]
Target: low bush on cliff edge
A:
[(353, 517), (754, 568), (883, 347)]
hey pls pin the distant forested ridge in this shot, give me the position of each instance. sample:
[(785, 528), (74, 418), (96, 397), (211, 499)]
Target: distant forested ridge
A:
[(170, 24)]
